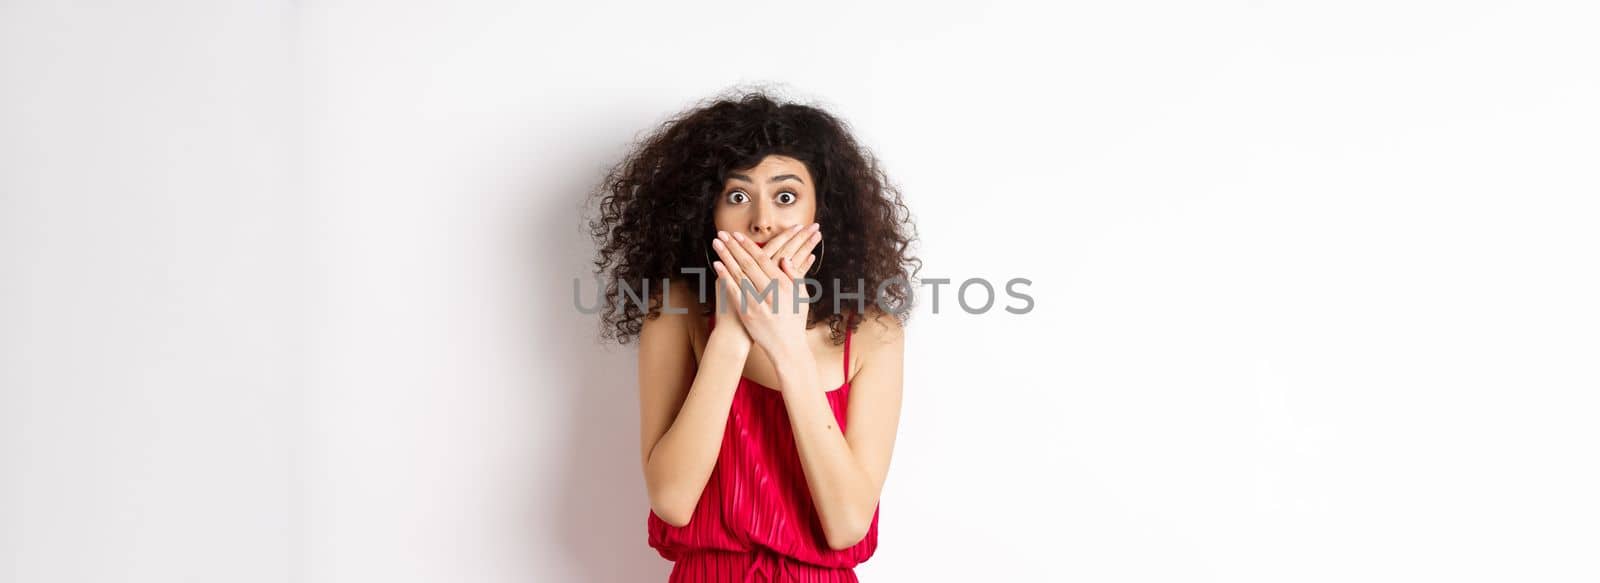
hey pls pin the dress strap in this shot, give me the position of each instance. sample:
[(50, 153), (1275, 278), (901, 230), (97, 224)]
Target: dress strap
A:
[(847, 349)]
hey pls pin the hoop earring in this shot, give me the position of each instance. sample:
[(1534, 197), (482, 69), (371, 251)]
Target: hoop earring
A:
[(823, 245)]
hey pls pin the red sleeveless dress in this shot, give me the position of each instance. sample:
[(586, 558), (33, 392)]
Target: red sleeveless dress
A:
[(755, 521)]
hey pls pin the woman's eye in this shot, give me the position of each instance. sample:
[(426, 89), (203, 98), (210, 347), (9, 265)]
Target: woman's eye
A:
[(786, 197), (737, 197)]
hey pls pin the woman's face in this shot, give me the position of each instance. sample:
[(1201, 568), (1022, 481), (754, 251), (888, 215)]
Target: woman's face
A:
[(763, 201)]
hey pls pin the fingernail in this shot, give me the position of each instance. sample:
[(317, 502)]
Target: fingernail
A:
[(816, 226), (739, 236), (717, 243)]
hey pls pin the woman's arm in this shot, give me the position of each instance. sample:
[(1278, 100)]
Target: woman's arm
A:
[(845, 471), (682, 412)]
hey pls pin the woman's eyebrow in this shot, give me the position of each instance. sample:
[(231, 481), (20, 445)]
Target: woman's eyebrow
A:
[(780, 177)]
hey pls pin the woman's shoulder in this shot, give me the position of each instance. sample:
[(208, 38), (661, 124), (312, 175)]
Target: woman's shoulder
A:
[(679, 310), (877, 327), (683, 297)]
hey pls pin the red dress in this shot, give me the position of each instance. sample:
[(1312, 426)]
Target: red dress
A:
[(755, 520)]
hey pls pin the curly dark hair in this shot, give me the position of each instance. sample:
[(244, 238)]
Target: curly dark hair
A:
[(655, 209)]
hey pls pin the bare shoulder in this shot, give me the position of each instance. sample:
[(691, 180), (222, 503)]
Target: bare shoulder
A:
[(879, 355), (879, 329), (679, 310)]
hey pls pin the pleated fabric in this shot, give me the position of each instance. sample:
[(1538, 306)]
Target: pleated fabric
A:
[(755, 521)]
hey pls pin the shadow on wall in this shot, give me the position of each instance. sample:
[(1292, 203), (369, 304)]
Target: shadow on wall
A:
[(601, 505)]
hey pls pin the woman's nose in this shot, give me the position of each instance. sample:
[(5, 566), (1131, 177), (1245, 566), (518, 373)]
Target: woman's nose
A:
[(761, 224)]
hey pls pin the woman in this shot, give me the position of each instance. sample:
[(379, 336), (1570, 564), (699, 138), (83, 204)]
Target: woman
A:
[(766, 425)]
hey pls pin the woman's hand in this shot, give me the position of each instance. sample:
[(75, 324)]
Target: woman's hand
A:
[(728, 322), (795, 243), (776, 321)]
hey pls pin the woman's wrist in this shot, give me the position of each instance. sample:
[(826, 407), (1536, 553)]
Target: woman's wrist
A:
[(729, 339), (791, 350)]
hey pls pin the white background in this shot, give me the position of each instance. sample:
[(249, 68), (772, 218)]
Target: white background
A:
[(287, 286)]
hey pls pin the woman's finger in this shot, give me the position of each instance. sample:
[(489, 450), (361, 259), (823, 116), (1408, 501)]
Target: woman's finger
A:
[(729, 289), (797, 277), (792, 243), (731, 302), (764, 264), (750, 259), (795, 272), (788, 274), (775, 246), (807, 245), (739, 262), (730, 263)]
